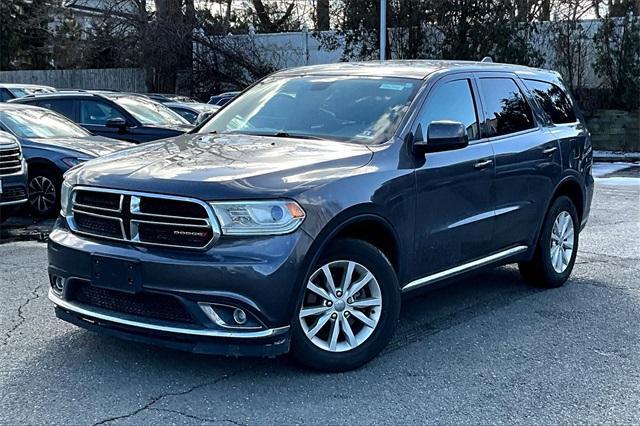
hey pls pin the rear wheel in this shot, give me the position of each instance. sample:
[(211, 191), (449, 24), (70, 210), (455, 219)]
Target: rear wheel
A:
[(349, 310), (44, 192), (556, 250)]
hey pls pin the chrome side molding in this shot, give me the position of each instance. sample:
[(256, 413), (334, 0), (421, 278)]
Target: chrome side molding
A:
[(462, 268)]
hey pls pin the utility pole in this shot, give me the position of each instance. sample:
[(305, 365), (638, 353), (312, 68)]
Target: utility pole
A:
[(383, 29)]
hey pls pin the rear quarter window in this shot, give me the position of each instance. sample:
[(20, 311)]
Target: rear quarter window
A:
[(506, 107), (553, 100)]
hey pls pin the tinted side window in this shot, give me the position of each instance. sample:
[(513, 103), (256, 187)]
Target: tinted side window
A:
[(5, 95), (452, 101), (553, 101), (506, 106), (96, 112), (61, 106)]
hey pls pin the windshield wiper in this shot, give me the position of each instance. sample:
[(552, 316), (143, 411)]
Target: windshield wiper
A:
[(294, 136), (272, 134)]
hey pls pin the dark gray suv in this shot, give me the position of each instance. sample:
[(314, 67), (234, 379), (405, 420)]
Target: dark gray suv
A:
[(297, 216)]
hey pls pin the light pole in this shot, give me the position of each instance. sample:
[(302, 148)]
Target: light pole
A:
[(383, 29)]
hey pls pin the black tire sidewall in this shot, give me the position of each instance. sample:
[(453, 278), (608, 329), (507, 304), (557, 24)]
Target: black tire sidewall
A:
[(549, 276), (373, 259)]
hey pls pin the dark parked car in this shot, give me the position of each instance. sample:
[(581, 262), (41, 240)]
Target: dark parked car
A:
[(13, 91), (298, 215), (223, 98), (51, 144), (13, 176), (194, 113), (114, 115), (164, 98)]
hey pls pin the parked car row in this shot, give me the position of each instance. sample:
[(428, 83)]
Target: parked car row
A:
[(56, 130), (51, 145), (123, 116)]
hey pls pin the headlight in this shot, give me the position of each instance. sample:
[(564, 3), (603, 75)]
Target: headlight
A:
[(275, 217), (65, 199)]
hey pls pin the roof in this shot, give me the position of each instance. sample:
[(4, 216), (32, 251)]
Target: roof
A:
[(418, 69), (25, 86), (15, 106), (77, 93)]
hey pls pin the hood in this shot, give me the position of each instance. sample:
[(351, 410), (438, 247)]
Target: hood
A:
[(90, 146), (224, 166)]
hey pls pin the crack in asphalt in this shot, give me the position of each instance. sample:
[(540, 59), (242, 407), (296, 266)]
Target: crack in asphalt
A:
[(198, 418), (155, 399), (21, 318)]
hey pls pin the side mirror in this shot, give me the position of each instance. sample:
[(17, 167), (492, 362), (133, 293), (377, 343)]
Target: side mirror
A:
[(442, 136), (116, 123)]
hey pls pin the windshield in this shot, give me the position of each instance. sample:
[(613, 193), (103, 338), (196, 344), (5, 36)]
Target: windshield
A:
[(149, 112), (20, 92), (354, 109), (40, 123)]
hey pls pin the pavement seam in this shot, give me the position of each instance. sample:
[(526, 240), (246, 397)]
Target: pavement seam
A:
[(200, 419), (21, 318), (158, 398)]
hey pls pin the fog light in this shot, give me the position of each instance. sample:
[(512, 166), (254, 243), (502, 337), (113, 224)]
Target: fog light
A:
[(239, 316), (58, 285), (229, 316)]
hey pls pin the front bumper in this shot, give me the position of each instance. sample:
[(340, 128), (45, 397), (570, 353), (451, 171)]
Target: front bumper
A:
[(266, 343), (258, 275), (14, 189)]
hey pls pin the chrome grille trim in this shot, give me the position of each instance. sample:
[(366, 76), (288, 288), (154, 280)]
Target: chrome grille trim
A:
[(10, 160), (137, 217)]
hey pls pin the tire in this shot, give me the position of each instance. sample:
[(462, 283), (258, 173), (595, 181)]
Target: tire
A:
[(364, 342), (552, 268), (44, 192)]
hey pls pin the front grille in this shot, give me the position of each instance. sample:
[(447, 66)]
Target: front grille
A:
[(148, 305), (99, 225), (14, 193), (142, 218), (10, 161)]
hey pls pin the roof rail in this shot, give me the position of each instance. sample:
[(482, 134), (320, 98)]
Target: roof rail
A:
[(487, 59)]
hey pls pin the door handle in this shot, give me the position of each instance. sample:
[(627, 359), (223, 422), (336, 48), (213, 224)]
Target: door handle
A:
[(483, 164), (550, 151)]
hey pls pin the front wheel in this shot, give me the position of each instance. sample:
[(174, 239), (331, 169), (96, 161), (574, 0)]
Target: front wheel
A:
[(44, 192), (349, 309), (556, 250)]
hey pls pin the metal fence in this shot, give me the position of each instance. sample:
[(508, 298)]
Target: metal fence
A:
[(123, 79)]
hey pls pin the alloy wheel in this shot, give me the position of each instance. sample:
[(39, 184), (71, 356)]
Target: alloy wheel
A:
[(42, 194), (562, 239), (341, 306)]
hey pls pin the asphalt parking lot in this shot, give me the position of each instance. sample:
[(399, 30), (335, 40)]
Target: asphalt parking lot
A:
[(489, 349)]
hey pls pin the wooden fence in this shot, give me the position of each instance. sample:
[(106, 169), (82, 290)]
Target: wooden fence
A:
[(122, 79)]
